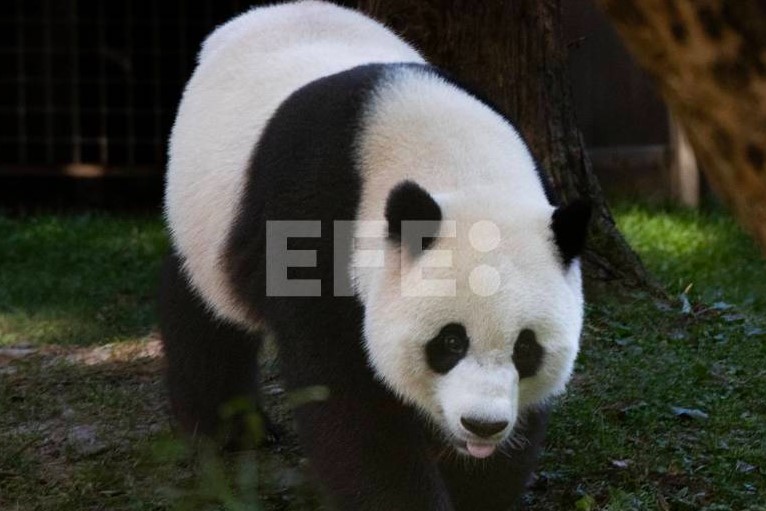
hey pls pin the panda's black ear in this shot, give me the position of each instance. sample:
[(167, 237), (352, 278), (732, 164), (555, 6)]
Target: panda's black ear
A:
[(570, 228), (408, 202)]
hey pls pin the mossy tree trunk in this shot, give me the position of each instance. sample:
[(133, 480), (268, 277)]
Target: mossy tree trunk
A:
[(709, 60), (513, 51)]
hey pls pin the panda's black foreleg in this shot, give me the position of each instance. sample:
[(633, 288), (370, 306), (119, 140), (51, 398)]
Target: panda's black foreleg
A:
[(498, 483), (367, 450), (212, 367), (370, 461)]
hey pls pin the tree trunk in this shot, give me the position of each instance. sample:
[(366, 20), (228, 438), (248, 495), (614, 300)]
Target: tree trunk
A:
[(709, 60), (514, 53)]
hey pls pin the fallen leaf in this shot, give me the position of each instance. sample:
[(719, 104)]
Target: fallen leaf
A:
[(686, 306), (744, 467), (721, 306), (689, 413)]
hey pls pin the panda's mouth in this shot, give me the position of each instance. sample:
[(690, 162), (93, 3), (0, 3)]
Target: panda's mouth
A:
[(479, 450)]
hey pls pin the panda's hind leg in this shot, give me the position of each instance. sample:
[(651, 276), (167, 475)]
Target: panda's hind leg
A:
[(212, 368)]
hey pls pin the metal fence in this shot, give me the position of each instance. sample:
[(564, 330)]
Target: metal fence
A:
[(90, 87)]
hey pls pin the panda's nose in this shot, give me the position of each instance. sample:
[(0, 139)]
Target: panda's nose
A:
[(481, 428)]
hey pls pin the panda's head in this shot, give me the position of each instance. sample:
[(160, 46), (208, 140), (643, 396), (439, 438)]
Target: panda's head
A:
[(475, 315)]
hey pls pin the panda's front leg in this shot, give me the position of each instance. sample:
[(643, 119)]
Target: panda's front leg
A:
[(368, 450), (370, 453)]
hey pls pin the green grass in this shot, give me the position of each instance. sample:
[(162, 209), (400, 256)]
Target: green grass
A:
[(78, 279), (69, 285), (708, 251)]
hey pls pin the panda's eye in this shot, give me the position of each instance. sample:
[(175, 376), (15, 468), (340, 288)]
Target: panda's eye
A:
[(444, 351), (454, 344), (527, 354)]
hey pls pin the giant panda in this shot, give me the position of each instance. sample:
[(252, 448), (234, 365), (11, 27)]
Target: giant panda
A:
[(389, 228)]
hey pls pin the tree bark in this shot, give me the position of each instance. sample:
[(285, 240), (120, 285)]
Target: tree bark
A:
[(709, 59), (513, 52)]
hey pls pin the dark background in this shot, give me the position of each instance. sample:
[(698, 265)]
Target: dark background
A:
[(90, 87)]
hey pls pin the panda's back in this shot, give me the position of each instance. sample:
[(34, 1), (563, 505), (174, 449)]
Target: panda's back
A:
[(246, 69)]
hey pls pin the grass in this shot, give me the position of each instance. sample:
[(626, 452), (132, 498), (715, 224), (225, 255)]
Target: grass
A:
[(84, 419), (706, 251), (79, 279)]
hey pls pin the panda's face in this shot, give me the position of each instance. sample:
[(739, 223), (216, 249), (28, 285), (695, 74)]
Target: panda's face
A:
[(482, 324)]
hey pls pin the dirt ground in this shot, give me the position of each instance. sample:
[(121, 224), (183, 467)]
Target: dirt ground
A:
[(89, 428)]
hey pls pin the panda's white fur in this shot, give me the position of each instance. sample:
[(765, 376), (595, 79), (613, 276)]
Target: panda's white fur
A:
[(246, 68), (507, 273)]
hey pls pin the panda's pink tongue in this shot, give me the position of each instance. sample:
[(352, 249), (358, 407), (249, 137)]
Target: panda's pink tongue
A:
[(479, 450)]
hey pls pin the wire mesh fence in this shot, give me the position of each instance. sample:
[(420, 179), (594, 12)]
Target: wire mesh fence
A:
[(95, 83)]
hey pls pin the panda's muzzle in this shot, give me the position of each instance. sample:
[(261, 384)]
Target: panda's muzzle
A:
[(484, 435)]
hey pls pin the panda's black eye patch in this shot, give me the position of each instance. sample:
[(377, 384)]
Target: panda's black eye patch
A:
[(527, 354), (444, 351)]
